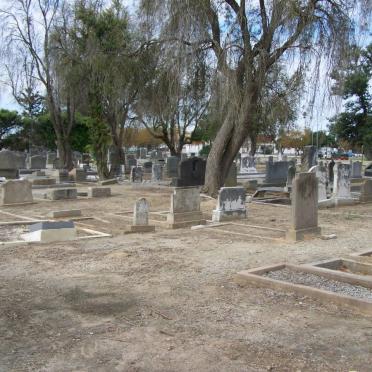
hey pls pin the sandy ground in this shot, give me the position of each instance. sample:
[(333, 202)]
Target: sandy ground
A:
[(166, 301)]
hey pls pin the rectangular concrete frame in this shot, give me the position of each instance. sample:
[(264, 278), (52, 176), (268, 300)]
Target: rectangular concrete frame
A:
[(361, 254), (364, 268), (254, 276), (94, 233)]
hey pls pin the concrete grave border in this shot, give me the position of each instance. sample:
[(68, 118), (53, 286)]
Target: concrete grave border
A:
[(349, 263), (254, 276)]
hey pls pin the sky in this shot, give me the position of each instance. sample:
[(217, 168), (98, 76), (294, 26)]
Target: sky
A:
[(323, 107)]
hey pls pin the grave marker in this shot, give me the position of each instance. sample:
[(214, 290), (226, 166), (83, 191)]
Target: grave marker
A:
[(304, 215), (230, 204), (16, 192)]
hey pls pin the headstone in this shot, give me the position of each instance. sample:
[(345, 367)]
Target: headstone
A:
[(99, 192), (185, 208), (290, 177), (136, 174), (231, 179), (61, 175), (62, 194), (356, 169), (321, 175), (309, 158), (341, 183), (78, 175), (172, 166), (247, 164), (141, 217), (10, 163), (366, 192), (191, 172), (230, 204), (47, 232), (147, 167), (304, 216), (16, 192), (157, 173), (277, 172), (37, 162)]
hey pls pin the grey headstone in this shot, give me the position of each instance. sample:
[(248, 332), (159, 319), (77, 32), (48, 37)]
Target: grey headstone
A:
[(37, 162), (356, 169), (136, 174), (16, 192), (309, 158), (230, 204), (342, 182), (141, 213), (172, 166), (157, 172), (191, 172)]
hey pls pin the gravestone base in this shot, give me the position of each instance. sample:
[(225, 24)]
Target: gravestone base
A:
[(186, 219), (221, 216), (9, 174), (62, 194), (46, 232), (135, 229), (99, 192), (302, 234)]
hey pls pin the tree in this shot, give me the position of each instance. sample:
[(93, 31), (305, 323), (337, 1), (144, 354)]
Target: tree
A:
[(28, 26), (247, 40), (354, 125), (174, 101), (10, 123), (107, 68)]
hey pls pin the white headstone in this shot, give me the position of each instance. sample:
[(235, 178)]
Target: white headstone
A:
[(341, 183), (141, 213)]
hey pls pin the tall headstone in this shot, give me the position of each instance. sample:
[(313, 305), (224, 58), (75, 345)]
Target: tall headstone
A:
[(51, 157), (191, 172), (136, 174), (304, 211), (341, 182), (309, 158), (356, 169), (230, 204), (141, 218), (321, 175), (172, 166), (185, 208), (157, 173), (16, 192)]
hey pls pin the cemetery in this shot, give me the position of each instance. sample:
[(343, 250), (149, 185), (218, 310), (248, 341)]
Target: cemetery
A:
[(185, 185), (147, 255)]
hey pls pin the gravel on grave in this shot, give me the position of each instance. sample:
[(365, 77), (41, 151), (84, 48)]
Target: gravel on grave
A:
[(320, 282)]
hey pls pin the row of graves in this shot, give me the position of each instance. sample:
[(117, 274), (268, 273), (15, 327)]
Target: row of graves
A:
[(309, 186)]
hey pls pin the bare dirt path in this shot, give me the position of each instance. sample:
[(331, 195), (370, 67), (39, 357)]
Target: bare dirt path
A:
[(167, 301)]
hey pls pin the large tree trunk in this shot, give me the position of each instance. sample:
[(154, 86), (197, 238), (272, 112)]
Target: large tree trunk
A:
[(231, 136), (65, 153), (117, 159), (253, 139)]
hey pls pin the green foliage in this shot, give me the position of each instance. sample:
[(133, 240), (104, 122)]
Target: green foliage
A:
[(10, 122), (354, 125)]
